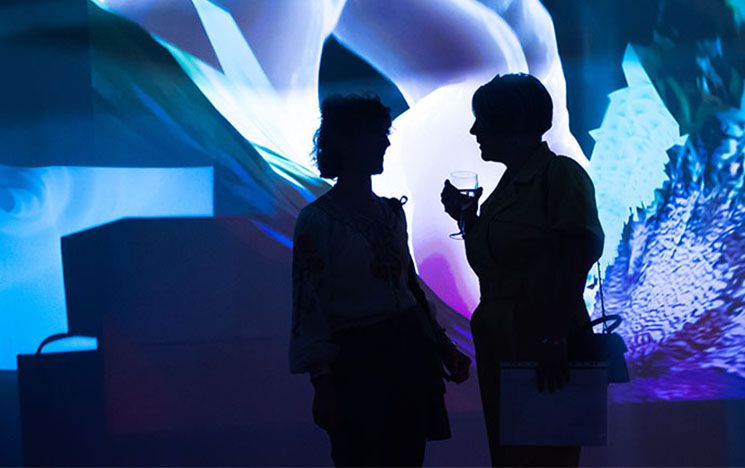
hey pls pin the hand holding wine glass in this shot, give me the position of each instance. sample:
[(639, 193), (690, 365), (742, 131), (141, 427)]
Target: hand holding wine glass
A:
[(460, 197)]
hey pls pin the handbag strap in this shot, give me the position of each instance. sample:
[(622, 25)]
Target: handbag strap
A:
[(602, 304), (615, 320)]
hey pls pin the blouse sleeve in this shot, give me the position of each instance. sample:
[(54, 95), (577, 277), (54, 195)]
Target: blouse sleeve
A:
[(311, 348), (571, 202)]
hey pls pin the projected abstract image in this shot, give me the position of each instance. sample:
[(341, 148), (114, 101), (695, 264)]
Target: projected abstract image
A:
[(670, 152), (667, 161), (668, 174)]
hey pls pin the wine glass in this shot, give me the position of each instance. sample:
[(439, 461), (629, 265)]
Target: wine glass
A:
[(467, 183)]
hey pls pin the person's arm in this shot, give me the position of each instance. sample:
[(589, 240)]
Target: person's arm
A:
[(575, 255), (574, 225), (311, 349), (457, 364), (573, 220)]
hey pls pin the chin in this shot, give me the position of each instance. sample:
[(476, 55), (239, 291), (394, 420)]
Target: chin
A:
[(491, 157)]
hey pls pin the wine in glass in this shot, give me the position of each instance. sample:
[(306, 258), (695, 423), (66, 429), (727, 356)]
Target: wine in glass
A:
[(467, 183)]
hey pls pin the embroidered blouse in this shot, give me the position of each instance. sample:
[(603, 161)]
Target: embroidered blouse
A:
[(348, 270)]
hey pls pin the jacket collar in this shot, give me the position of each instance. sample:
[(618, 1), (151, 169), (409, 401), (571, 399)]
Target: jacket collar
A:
[(505, 195), (535, 164)]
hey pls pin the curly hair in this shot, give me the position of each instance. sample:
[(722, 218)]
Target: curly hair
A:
[(514, 102), (344, 117)]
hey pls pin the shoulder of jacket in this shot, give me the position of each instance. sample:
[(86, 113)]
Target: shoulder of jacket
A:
[(565, 163)]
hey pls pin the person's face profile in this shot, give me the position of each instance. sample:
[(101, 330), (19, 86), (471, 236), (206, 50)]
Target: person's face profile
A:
[(365, 152), (494, 143)]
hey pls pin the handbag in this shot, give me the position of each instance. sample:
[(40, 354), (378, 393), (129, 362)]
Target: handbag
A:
[(608, 346)]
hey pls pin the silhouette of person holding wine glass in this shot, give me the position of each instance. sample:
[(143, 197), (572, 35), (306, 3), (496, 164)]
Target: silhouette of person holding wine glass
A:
[(531, 245), (361, 324)]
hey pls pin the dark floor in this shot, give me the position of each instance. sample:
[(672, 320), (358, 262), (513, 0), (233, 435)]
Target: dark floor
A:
[(704, 433)]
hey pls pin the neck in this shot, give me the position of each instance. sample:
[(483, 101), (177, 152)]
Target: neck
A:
[(521, 156), (354, 187)]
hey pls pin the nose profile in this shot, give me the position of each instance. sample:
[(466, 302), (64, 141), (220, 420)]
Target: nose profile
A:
[(472, 131)]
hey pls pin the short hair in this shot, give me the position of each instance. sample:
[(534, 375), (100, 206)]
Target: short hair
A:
[(514, 102), (345, 117)]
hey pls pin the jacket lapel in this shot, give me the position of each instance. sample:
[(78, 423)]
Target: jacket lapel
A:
[(507, 194), (501, 198)]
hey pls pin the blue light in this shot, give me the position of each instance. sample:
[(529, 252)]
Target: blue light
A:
[(628, 160), (72, 344), (40, 205), (274, 234)]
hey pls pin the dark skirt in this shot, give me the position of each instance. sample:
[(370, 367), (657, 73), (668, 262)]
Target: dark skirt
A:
[(388, 377)]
